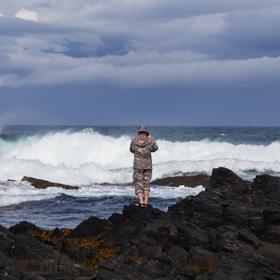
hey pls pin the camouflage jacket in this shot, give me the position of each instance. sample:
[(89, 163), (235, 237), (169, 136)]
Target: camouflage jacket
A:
[(142, 147)]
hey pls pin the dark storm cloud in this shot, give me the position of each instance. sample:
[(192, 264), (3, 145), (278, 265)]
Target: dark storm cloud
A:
[(140, 43), (252, 33)]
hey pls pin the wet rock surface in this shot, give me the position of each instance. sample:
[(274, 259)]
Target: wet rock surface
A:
[(187, 181), (230, 231), (43, 184)]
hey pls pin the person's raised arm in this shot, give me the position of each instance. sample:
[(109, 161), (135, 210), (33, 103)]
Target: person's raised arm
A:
[(132, 146), (154, 146)]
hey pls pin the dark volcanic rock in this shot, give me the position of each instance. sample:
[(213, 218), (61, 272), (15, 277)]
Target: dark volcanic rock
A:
[(91, 227), (228, 181), (230, 231), (24, 257), (23, 227), (267, 183), (212, 233), (188, 181), (43, 184)]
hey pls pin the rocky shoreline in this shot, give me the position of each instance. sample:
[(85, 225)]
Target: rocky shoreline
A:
[(174, 181), (229, 232), (44, 184), (187, 181)]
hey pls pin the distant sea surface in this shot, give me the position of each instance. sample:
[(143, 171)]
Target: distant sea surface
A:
[(97, 159)]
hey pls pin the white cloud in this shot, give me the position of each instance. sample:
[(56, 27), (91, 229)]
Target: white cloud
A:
[(139, 43), (27, 15)]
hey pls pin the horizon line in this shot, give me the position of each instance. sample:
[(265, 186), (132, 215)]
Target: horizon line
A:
[(147, 124)]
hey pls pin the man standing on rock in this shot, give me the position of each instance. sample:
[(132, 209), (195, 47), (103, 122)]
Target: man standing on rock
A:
[(142, 146)]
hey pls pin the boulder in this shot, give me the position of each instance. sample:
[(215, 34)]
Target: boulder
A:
[(227, 179), (187, 181), (91, 227), (24, 227), (43, 184)]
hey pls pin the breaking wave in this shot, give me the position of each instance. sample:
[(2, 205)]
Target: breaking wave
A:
[(87, 157)]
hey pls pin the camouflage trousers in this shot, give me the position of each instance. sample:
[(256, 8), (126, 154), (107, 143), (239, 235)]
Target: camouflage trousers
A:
[(141, 179)]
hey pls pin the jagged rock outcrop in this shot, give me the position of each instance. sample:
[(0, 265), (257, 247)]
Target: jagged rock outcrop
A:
[(187, 181), (24, 257), (230, 231), (43, 184)]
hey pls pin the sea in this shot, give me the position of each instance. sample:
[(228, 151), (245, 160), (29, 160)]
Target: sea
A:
[(98, 160)]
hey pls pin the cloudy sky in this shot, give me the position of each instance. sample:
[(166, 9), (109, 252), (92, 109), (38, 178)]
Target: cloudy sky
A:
[(192, 62)]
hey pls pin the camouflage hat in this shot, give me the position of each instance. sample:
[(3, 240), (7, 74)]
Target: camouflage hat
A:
[(142, 128)]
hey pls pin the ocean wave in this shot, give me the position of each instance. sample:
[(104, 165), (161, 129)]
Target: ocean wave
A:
[(19, 192), (87, 157)]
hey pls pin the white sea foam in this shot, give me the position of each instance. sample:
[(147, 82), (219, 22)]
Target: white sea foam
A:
[(88, 157), (18, 192)]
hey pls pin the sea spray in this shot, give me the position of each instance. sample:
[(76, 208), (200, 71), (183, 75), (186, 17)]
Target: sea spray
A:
[(87, 157)]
